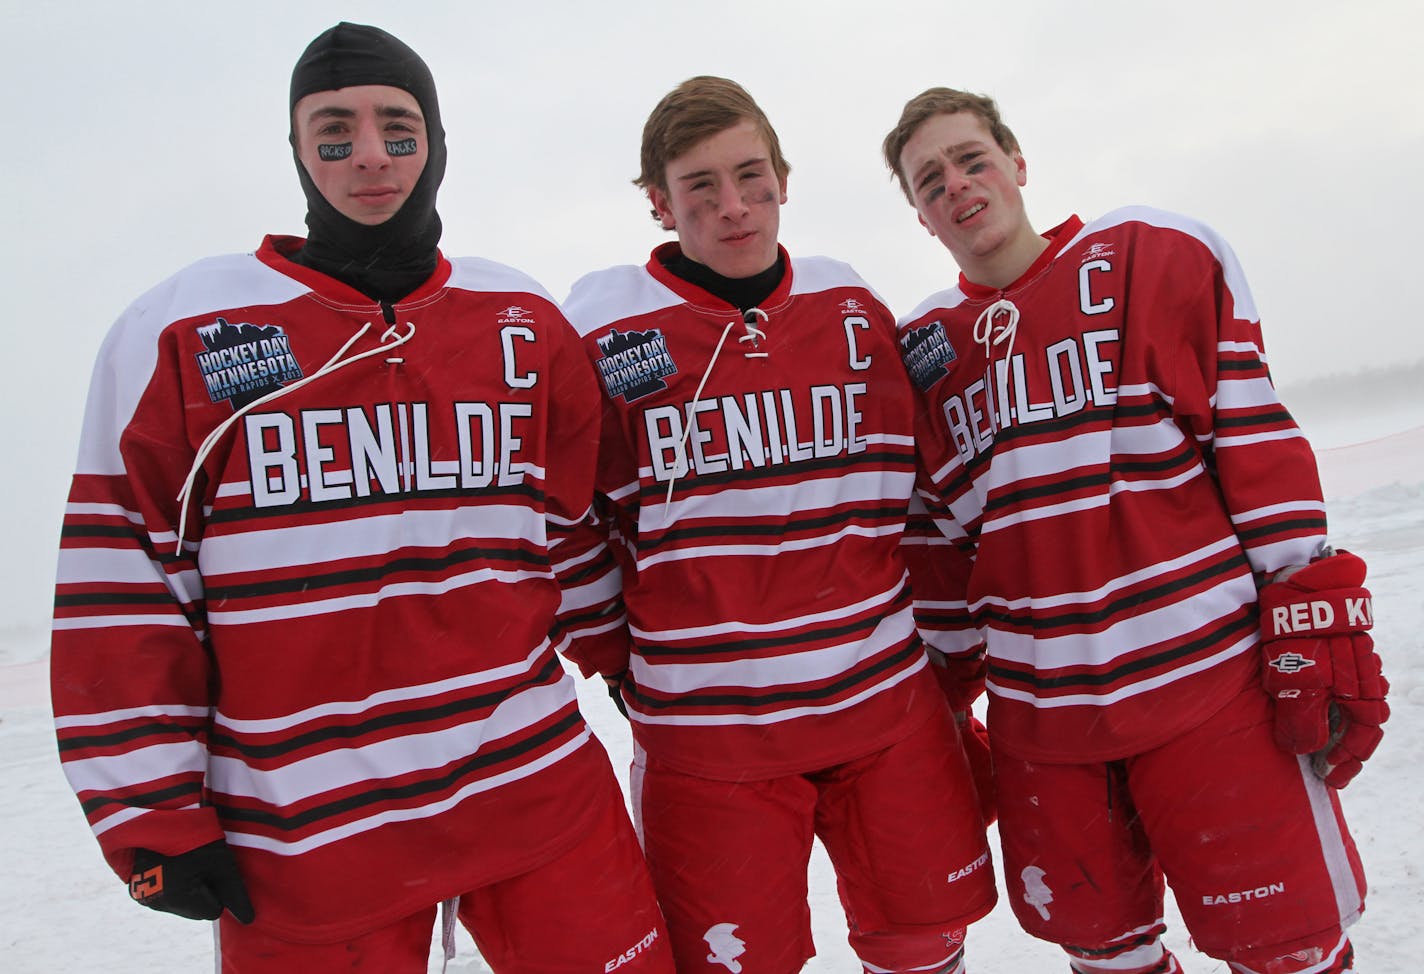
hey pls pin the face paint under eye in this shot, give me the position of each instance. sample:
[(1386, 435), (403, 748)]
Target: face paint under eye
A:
[(405, 147), (333, 153)]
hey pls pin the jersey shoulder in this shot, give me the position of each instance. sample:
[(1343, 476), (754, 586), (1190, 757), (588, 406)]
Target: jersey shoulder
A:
[(1161, 236), (490, 276), (614, 294), (207, 286)]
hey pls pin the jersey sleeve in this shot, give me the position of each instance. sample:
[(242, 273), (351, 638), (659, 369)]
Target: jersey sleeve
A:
[(131, 674), (1263, 466), (591, 616)]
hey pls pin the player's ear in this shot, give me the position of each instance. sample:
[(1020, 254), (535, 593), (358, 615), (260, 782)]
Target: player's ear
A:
[(1020, 169), (659, 199), (923, 223)]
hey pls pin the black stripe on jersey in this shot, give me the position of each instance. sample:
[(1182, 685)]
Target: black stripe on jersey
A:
[(1223, 634), (877, 460), (737, 646), (1232, 564), (415, 789), (1274, 417), (346, 732), (689, 701), (601, 565), (164, 555), (1252, 364), (114, 598), (999, 501), (1312, 524), (138, 732), (1187, 456), (147, 799), (734, 529), (425, 566), (412, 499)]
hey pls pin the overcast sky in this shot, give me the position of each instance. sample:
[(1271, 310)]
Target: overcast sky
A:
[(150, 134)]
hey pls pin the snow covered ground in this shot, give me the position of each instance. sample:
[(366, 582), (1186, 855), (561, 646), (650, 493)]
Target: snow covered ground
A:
[(61, 909)]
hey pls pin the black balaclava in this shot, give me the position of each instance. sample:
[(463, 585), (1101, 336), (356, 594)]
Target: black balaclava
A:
[(387, 261)]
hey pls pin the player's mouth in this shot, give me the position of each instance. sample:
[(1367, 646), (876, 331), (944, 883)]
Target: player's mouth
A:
[(976, 208), (376, 195), (739, 237)]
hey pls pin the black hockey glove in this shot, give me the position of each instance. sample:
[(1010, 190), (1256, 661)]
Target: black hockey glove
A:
[(615, 691), (196, 884)]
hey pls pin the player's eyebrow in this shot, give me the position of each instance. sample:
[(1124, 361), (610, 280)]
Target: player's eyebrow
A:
[(758, 161)]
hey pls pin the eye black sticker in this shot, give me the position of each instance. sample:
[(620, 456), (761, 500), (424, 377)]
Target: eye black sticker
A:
[(405, 147), (334, 153)]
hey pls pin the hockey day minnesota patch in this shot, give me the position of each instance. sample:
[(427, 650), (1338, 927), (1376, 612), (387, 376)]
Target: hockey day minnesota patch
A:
[(927, 354), (634, 363), (243, 362)]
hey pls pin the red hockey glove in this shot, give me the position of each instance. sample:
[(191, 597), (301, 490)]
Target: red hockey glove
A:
[(196, 884), (960, 677), (975, 738), (1321, 666)]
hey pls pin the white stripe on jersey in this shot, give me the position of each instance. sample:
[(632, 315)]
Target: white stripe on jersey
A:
[(1088, 503), (429, 810), (1271, 510), (365, 600), (788, 669), (318, 544), (1245, 644), (1128, 636), (1251, 393), (827, 489), (391, 758), (1163, 569), (167, 618), (770, 548), (120, 772), (341, 708), (125, 566), (776, 625), (1223, 442), (130, 713), (895, 678)]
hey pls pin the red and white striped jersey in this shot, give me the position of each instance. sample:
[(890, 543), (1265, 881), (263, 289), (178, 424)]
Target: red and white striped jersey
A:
[(347, 668), (757, 472), (1108, 457)]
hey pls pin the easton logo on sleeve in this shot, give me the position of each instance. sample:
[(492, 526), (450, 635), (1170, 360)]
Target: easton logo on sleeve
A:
[(243, 362), (634, 363), (927, 354)]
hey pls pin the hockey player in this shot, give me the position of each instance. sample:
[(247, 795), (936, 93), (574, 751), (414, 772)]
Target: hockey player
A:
[(1110, 465), (303, 666), (757, 461)]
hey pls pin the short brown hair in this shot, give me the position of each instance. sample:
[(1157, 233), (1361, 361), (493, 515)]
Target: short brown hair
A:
[(698, 108), (942, 101)]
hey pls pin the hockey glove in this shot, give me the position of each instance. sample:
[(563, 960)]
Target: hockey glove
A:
[(615, 691), (975, 738), (1321, 666), (196, 884), (961, 678)]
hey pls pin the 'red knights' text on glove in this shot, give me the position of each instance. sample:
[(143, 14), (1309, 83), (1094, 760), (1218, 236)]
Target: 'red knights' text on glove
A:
[(1321, 667)]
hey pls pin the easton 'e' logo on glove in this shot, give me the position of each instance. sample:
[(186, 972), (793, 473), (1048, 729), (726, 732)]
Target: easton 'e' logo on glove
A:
[(1321, 665)]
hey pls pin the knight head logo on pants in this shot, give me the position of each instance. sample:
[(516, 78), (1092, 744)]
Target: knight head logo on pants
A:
[(725, 945)]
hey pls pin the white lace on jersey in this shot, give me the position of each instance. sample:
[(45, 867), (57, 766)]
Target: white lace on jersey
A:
[(753, 335), (390, 340)]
